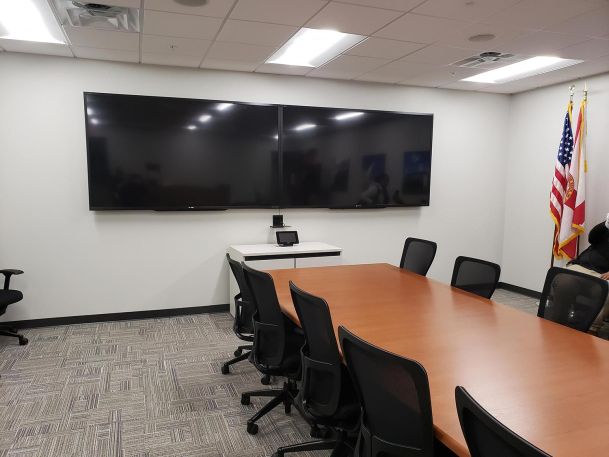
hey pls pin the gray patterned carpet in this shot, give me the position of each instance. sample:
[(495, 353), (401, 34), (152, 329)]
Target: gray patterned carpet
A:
[(133, 388), (148, 388)]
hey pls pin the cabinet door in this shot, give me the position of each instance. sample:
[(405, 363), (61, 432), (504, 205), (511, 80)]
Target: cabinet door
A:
[(305, 262)]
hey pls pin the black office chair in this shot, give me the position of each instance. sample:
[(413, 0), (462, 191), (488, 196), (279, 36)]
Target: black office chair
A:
[(244, 311), (476, 276), (8, 297), (572, 298), (485, 435), (327, 395), (418, 255), (396, 405), (277, 344)]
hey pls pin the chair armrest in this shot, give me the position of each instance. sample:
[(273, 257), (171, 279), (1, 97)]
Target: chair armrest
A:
[(7, 276)]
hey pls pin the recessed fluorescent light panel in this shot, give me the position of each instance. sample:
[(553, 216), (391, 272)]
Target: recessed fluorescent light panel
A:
[(205, 118), (191, 127), (29, 20), (348, 115), (302, 127), (314, 47), (523, 69)]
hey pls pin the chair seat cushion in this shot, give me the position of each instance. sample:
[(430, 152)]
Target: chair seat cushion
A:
[(8, 297)]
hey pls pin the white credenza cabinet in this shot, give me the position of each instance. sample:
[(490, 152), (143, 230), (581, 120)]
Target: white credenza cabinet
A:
[(274, 257)]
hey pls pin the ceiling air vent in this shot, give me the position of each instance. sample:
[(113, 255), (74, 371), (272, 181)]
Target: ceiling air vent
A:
[(96, 15), (487, 60)]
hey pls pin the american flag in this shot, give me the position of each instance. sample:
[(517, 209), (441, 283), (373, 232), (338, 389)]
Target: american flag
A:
[(559, 183), (567, 198)]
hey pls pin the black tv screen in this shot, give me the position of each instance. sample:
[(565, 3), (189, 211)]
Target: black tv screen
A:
[(340, 158), (172, 153)]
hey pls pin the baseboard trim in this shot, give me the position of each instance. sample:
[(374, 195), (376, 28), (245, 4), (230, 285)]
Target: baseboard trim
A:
[(132, 315), (520, 290)]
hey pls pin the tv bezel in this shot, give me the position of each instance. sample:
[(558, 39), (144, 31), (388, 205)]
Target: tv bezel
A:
[(279, 108)]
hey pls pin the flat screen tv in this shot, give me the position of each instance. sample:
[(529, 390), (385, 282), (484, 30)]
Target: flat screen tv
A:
[(177, 154), (159, 153), (336, 158)]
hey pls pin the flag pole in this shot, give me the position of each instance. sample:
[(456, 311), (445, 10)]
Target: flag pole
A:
[(585, 159)]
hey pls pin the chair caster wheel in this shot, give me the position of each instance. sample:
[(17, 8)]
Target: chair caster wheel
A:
[(238, 352), (277, 454), (224, 369), (245, 400), (287, 408), (252, 428), (266, 380), (23, 341)]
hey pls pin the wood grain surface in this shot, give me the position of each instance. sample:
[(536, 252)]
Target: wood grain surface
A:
[(545, 381)]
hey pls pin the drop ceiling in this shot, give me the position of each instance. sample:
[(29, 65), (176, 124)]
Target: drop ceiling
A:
[(411, 42)]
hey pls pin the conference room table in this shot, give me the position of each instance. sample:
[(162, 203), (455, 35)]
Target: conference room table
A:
[(546, 382)]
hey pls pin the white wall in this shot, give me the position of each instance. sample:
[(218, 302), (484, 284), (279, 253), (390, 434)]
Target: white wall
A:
[(536, 120), (80, 262)]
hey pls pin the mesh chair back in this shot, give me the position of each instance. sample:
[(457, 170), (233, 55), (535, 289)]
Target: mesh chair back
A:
[(269, 328), (395, 400), (320, 357), (418, 255), (487, 437), (572, 298), (476, 276), (244, 308)]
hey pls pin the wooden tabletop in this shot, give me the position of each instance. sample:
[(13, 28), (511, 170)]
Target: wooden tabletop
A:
[(548, 383)]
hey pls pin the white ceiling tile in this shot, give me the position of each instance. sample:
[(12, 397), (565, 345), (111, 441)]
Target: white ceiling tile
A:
[(33, 47), (175, 60), (212, 8), (465, 10), (440, 76), (540, 43), (232, 65), (592, 24), (503, 35), (420, 29), (182, 46), (396, 71), (283, 69), (398, 5), (255, 33), (288, 12), (223, 50), (438, 55), (347, 67), (587, 50), (356, 19), (540, 14), (106, 39), (181, 25), (382, 48), (106, 54)]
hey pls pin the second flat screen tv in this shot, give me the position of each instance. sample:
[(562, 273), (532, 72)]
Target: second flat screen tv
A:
[(174, 154), (339, 158)]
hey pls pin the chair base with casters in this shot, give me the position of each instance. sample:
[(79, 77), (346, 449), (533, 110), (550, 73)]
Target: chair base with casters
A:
[(285, 396), (12, 332), (239, 356)]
